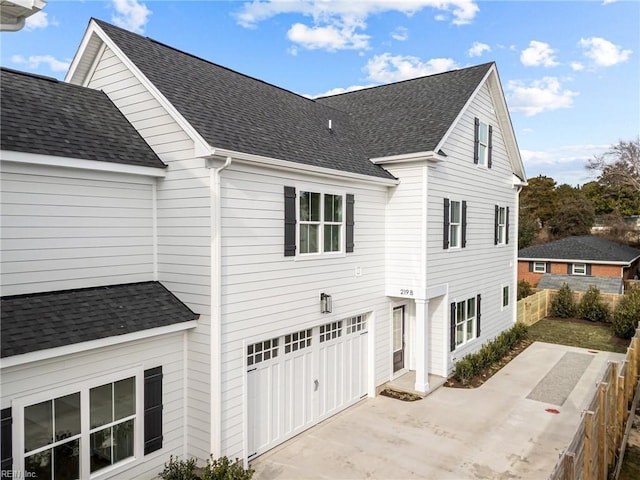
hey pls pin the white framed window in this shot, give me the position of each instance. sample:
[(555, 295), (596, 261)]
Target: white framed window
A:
[(455, 224), (579, 269), (505, 296), (483, 144), (465, 321), (321, 219), (80, 434), (501, 223), (539, 267)]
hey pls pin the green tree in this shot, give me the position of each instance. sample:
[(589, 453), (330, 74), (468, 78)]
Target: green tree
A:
[(575, 215), (528, 228), (539, 198)]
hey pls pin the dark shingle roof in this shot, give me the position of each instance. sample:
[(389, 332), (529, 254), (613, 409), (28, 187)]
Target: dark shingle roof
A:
[(410, 116), (44, 116), (41, 321), (581, 284), (585, 247), (236, 112)]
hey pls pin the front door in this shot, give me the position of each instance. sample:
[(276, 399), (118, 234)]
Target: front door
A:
[(398, 338)]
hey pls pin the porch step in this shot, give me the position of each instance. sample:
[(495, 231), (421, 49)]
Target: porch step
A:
[(406, 383)]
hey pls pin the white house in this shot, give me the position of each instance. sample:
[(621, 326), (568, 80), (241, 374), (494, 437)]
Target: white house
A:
[(328, 246)]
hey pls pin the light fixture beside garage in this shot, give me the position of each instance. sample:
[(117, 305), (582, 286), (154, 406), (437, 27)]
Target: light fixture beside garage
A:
[(325, 303)]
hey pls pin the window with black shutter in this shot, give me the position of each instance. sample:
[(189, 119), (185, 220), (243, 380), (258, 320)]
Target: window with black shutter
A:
[(350, 222), (289, 221), (152, 410), (6, 438)]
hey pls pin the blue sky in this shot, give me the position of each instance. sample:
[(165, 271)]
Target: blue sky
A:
[(570, 70)]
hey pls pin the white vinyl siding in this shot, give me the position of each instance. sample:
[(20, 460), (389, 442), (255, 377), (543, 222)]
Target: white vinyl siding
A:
[(68, 228), (266, 295), (72, 373), (480, 263), (183, 225)]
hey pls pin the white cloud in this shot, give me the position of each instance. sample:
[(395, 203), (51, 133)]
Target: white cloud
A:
[(334, 23), (34, 62), (539, 96), (339, 90), (386, 68), (538, 53), (602, 52), (401, 34), (477, 49), (130, 14), (565, 164), (331, 37), (39, 20), (607, 2), (577, 66)]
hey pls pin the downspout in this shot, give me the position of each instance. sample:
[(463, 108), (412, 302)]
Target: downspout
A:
[(215, 343), (515, 256)]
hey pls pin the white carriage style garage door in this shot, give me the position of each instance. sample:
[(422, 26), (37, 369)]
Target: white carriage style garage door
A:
[(299, 379)]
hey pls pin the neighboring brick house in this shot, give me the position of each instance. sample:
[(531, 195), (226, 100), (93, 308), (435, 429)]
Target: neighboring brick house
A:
[(573, 259)]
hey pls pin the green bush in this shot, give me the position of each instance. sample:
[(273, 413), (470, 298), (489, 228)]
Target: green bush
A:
[(224, 469), (524, 289), (592, 307), (179, 469), (220, 469), (490, 353), (627, 314), (563, 305)]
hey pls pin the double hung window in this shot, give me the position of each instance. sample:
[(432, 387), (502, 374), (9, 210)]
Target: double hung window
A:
[(321, 222)]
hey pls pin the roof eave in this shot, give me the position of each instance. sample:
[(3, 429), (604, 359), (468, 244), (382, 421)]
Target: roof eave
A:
[(574, 260), (429, 156)]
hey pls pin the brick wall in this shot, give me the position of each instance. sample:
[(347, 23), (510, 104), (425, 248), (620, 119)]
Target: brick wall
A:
[(561, 269)]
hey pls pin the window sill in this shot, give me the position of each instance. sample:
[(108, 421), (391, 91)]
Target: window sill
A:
[(318, 256)]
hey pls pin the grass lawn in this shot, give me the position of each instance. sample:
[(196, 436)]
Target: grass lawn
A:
[(577, 333)]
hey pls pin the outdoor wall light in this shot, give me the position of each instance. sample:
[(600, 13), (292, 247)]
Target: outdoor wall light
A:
[(325, 303)]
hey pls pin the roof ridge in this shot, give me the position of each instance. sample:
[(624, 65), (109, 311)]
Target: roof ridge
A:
[(31, 74), (399, 82)]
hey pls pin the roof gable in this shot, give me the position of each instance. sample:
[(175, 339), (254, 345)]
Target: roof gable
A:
[(588, 248), (46, 320), (43, 116), (232, 111)]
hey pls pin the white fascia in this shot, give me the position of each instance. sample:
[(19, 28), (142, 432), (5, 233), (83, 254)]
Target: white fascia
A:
[(222, 154), (573, 260), (410, 157), (79, 163), (201, 147), (94, 344), (518, 182)]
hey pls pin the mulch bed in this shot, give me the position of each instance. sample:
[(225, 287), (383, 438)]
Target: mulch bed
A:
[(404, 396), (491, 370)]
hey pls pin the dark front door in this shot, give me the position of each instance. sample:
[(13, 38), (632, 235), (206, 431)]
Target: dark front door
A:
[(398, 338)]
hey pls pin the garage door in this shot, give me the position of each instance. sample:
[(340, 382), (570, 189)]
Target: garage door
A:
[(297, 380)]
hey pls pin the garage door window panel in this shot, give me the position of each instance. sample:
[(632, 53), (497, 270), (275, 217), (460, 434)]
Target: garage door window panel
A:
[(297, 341), (262, 351)]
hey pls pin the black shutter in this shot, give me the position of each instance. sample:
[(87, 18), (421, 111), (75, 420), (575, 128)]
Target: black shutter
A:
[(476, 139), (452, 342), (478, 315), (349, 234), (495, 225), (531, 266), (152, 410), (7, 441), (506, 228), (490, 146), (548, 269), (445, 241), (464, 223), (289, 221), (588, 269), (569, 268)]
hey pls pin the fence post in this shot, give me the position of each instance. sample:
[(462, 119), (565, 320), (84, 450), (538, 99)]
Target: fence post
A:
[(588, 446), (602, 429), (612, 417), (569, 464)]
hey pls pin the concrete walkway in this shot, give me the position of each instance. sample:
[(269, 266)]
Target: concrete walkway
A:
[(493, 432)]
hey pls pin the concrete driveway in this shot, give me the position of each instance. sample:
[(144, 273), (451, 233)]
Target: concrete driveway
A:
[(498, 431)]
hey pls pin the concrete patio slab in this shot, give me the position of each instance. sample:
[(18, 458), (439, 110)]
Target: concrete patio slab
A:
[(493, 432)]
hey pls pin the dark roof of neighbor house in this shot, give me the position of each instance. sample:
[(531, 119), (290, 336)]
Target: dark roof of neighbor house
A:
[(581, 283), (42, 115), (585, 248), (409, 116), (240, 113), (40, 321)]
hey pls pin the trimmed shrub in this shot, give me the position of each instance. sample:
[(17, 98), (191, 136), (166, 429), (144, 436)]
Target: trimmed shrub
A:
[(592, 307), (563, 305), (524, 289), (224, 469), (490, 353), (179, 469), (627, 314)]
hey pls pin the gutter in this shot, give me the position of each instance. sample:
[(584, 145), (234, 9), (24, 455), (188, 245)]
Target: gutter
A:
[(215, 332)]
